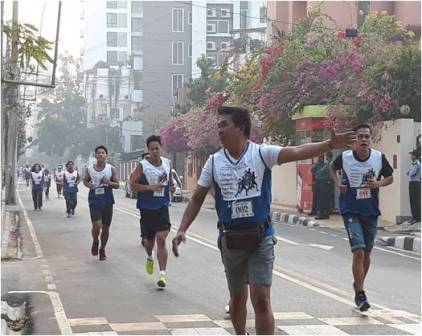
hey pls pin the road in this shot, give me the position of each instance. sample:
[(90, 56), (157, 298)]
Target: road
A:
[(311, 294)]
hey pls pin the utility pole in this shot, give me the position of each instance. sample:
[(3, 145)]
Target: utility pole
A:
[(11, 113)]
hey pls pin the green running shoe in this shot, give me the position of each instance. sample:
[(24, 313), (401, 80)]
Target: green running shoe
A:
[(150, 265), (161, 281)]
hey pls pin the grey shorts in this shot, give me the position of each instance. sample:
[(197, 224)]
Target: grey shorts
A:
[(248, 267)]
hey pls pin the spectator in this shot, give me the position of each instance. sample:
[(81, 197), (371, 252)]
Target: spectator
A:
[(414, 173)]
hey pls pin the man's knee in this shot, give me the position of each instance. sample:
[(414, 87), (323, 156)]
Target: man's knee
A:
[(359, 254)]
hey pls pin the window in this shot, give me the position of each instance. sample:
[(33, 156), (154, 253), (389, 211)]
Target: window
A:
[(211, 28), (111, 4), (223, 27), (189, 17), (177, 19), (121, 4), (122, 57), (136, 43), (225, 13), (114, 113), (122, 20), (177, 53), (190, 50), (137, 7), (111, 57), (177, 83), (111, 39), (136, 25), (111, 20), (137, 80), (138, 63), (116, 4), (262, 14), (115, 20), (211, 12), (243, 18), (210, 45), (121, 40), (213, 59), (224, 45)]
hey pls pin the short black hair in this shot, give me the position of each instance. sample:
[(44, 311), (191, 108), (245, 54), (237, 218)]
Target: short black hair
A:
[(360, 126), (69, 162), (240, 117), (101, 147), (153, 138)]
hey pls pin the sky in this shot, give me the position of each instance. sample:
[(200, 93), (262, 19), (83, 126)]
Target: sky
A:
[(31, 11)]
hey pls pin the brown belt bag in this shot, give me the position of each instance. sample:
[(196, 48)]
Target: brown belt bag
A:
[(243, 239)]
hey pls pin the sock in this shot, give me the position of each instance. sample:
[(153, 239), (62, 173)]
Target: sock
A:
[(162, 272)]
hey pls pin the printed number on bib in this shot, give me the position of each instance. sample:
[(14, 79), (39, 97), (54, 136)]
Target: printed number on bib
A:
[(159, 193), (242, 209), (363, 193), (99, 191)]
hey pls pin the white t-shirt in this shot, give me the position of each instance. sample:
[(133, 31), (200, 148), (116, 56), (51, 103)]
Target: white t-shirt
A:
[(269, 155)]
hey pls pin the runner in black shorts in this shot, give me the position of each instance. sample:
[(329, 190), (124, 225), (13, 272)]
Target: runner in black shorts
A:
[(100, 178), (153, 182)]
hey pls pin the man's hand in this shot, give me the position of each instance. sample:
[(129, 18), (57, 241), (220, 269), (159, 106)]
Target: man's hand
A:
[(373, 184), (342, 187), (105, 181), (91, 184), (342, 140), (180, 237)]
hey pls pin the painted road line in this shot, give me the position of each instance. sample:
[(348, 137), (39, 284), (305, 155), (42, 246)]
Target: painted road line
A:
[(342, 321), (311, 330), (396, 253), (292, 316), (199, 331), (228, 323), (414, 329), (182, 318), (87, 321), (143, 326)]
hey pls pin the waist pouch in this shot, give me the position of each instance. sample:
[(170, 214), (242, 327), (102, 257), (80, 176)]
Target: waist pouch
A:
[(243, 239)]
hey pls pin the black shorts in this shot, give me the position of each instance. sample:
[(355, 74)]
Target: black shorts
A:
[(153, 221), (102, 212)]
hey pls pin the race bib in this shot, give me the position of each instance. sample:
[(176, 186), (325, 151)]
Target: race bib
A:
[(242, 209), (363, 193), (71, 185), (99, 191), (159, 193)]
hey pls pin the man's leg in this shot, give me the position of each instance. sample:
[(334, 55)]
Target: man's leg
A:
[(40, 199), (34, 199), (358, 268), (264, 318), (366, 264), (238, 310), (162, 253), (95, 232), (104, 236)]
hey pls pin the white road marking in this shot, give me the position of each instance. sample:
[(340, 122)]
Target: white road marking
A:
[(59, 312), (38, 249), (340, 321), (396, 253), (323, 247), (291, 242), (291, 316), (182, 318), (51, 286), (323, 232), (87, 321), (199, 331), (407, 251), (311, 330), (414, 329), (148, 326), (228, 323)]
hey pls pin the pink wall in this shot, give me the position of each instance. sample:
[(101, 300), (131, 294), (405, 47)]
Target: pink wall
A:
[(408, 12)]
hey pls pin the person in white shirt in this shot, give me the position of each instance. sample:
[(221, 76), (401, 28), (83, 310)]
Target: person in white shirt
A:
[(241, 175)]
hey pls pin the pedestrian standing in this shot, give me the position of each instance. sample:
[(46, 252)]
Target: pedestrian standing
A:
[(414, 173), (58, 178), (241, 175), (101, 179), (27, 173), (323, 191), (153, 181), (364, 171), (71, 180), (315, 167), (37, 178), (47, 183)]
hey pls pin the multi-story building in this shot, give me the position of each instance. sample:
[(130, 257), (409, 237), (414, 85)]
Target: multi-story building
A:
[(220, 27), (346, 14)]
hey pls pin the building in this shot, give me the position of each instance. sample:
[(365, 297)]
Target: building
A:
[(222, 28), (346, 14)]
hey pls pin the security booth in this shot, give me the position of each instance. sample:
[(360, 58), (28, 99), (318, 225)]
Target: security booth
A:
[(309, 128)]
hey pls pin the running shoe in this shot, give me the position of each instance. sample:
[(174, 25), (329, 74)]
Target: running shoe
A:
[(150, 265), (361, 301), (162, 281), (102, 254)]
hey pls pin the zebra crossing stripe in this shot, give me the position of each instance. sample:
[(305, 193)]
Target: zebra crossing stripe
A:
[(342, 321), (311, 330)]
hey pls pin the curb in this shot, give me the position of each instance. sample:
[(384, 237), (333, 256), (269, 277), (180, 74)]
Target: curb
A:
[(13, 319), (292, 219), (407, 243)]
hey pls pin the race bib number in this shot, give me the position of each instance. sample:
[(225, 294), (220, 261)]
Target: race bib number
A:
[(363, 193), (71, 185), (99, 191), (159, 193), (242, 209)]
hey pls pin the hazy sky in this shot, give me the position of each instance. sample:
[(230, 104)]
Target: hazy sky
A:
[(30, 11)]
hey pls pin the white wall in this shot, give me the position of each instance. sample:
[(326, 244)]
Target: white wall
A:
[(199, 34)]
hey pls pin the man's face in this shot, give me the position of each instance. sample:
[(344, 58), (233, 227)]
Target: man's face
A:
[(227, 130), (70, 167), (100, 155), (154, 149), (364, 139)]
